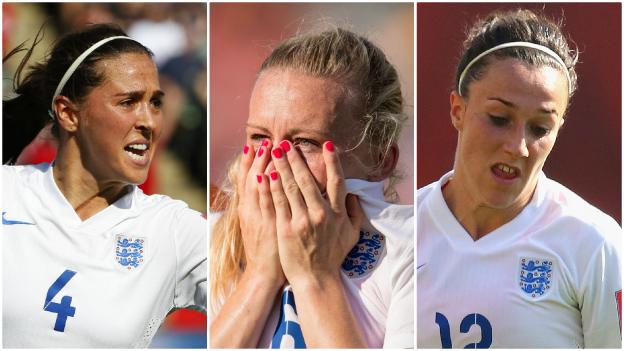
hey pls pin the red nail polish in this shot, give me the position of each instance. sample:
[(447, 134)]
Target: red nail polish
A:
[(259, 178), (284, 144), (265, 142), (277, 152), (273, 175), (261, 151), (245, 149), (329, 146)]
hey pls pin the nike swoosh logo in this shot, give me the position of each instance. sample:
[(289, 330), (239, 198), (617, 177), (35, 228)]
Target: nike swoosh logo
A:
[(419, 267), (12, 222)]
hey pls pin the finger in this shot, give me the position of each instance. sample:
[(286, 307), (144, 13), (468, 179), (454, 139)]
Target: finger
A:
[(305, 180), (244, 165), (280, 201), (336, 189), (289, 184), (265, 201), (356, 216), (259, 164)]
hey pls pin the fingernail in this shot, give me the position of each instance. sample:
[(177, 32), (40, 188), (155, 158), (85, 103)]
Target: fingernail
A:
[(259, 178), (329, 146), (265, 142), (261, 151), (245, 149), (277, 152), (284, 144), (273, 175)]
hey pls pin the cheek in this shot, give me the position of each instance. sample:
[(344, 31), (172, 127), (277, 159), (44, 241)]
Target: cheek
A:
[(317, 168)]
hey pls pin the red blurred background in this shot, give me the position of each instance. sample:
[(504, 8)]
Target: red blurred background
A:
[(587, 155)]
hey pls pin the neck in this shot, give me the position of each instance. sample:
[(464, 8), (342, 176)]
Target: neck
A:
[(86, 194), (477, 218)]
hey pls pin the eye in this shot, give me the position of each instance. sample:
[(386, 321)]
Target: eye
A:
[(498, 120), (539, 131), (127, 102), (257, 138), (306, 144), (157, 103)]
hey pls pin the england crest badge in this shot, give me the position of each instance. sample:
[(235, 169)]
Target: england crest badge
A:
[(536, 276), (365, 255), (129, 251)]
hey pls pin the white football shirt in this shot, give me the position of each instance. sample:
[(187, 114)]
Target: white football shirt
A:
[(549, 278), (108, 281), (378, 274)]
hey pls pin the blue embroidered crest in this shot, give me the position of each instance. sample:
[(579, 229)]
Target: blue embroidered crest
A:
[(129, 251), (535, 276), (365, 254)]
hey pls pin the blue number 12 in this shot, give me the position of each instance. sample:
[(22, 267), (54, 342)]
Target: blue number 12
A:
[(63, 309), (464, 327)]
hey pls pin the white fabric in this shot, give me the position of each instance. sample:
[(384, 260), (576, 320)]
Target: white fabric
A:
[(382, 300), (459, 278), (115, 307)]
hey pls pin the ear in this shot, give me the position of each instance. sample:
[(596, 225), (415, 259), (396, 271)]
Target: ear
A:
[(458, 110), (66, 114), (388, 164)]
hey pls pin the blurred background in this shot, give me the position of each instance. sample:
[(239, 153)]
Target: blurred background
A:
[(176, 33), (587, 155), (242, 35)]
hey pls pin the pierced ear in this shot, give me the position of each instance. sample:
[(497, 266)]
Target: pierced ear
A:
[(387, 167), (458, 110), (66, 114)]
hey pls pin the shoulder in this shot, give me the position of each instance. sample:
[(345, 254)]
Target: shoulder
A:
[(569, 209), (427, 192), (16, 173), (423, 193), (164, 208), (17, 179)]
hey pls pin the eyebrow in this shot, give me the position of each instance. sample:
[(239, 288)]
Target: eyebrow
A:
[(291, 131), (135, 94), (512, 105)]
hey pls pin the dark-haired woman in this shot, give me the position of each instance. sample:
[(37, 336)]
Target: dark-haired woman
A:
[(88, 259), (508, 258)]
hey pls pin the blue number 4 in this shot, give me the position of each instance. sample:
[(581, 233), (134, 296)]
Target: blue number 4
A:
[(63, 309)]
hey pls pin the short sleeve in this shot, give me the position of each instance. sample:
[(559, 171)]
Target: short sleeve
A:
[(191, 251), (400, 318), (600, 300)]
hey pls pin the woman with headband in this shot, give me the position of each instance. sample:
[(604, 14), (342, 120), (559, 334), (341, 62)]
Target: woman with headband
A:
[(508, 258), (307, 252), (88, 259)]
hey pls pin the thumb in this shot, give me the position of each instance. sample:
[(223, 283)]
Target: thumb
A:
[(354, 211)]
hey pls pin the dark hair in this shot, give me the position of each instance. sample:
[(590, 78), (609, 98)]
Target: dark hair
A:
[(25, 115), (516, 25)]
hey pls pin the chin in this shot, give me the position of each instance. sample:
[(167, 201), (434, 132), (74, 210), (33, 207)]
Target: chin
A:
[(136, 179)]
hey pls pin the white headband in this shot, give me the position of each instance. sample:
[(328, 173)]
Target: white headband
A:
[(517, 44), (75, 65)]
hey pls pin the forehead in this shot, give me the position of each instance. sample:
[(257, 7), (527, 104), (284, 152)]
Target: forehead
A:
[(526, 85), (284, 98), (133, 71)]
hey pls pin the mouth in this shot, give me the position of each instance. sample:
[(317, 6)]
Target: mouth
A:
[(505, 172), (138, 151)]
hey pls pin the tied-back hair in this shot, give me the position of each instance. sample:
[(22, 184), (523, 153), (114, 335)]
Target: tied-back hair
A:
[(25, 115), (509, 26), (365, 73)]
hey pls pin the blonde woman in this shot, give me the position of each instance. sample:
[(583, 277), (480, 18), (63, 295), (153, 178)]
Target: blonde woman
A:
[(307, 252)]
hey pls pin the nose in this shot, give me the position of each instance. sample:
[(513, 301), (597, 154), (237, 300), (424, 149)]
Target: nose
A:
[(516, 143), (148, 118)]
